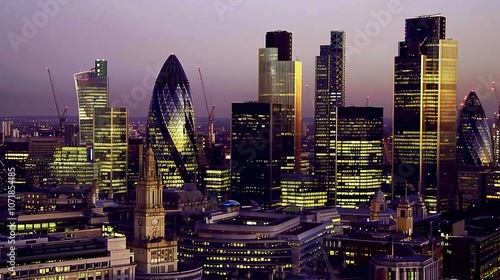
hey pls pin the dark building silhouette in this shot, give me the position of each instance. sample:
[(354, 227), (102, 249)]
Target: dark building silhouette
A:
[(135, 155), (172, 126), (281, 40), (256, 153), (330, 94), (424, 120)]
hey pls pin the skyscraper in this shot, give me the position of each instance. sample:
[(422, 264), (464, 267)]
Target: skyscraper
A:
[(330, 94), (282, 40), (110, 148), (359, 150), (473, 134), (280, 82), (172, 126), (496, 134), (256, 153), (92, 92), (424, 120)]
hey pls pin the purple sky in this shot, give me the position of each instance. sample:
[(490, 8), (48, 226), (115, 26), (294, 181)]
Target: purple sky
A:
[(223, 38)]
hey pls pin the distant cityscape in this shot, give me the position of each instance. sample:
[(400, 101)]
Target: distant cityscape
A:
[(266, 193)]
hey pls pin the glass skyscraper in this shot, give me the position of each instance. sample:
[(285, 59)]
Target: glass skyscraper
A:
[(92, 92), (330, 94), (110, 149), (172, 126), (359, 150), (473, 134), (256, 153), (424, 114), (280, 82)]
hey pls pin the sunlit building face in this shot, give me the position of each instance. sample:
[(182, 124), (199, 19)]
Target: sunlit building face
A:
[(424, 120), (92, 92), (280, 82)]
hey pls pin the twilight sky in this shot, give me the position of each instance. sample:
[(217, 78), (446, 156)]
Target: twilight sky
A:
[(223, 38)]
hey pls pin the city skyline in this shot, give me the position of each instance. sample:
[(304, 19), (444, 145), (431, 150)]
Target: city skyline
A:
[(218, 26)]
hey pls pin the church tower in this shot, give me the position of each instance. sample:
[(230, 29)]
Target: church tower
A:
[(404, 220), (153, 253)]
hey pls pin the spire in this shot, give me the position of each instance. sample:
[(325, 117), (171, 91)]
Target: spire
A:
[(149, 171)]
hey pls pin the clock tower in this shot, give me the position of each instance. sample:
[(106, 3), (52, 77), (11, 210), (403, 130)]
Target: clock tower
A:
[(154, 254)]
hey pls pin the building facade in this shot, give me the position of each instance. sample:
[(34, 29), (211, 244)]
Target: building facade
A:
[(330, 94), (92, 91), (358, 156), (256, 153), (424, 114), (110, 138), (72, 165), (280, 82), (302, 191), (172, 126), (69, 256)]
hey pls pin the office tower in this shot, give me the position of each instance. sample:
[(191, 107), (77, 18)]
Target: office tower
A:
[(217, 182), (154, 254), (110, 149), (6, 130), (424, 114), (303, 191), (172, 126), (71, 136), (15, 154), (282, 40), (256, 153), (471, 186), (40, 154), (473, 134), (72, 165), (92, 91), (496, 138), (280, 82), (358, 154), (134, 161), (330, 94)]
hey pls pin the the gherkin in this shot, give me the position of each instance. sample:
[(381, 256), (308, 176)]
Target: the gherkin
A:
[(172, 126), (473, 134)]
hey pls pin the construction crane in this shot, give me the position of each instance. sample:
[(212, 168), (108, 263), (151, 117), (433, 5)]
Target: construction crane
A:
[(311, 98), (210, 113), (62, 118)]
